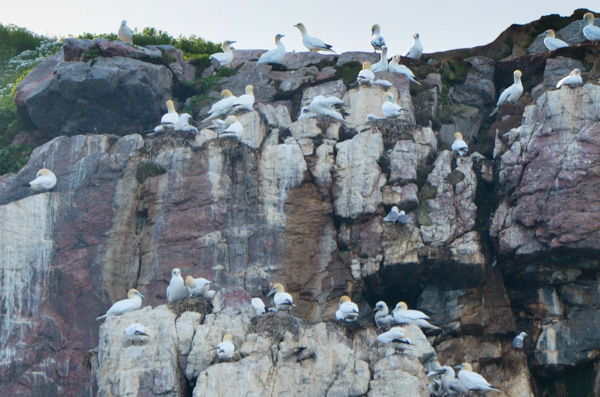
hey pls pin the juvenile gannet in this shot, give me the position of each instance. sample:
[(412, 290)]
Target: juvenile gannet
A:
[(312, 43), (416, 50), (472, 380), (396, 67), (176, 289), (590, 31), (275, 55), (197, 286), (395, 337), (133, 302), (451, 385), (390, 108), (226, 348), (459, 145), (259, 306), (222, 107), (305, 113), (512, 93), (226, 57), (573, 79), (382, 316), (322, 106), (234, 127), (377, 41), (282, 300), (366, 75), (347, 310), (371, 117), (404, 316), (125, 34), (518, 341), (382, 65), (246, 101), (44, 180), (183, 124), (137, 333), (551, 42)]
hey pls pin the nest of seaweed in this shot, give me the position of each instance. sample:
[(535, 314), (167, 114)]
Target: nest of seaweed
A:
[(198, 305), (276, 324)]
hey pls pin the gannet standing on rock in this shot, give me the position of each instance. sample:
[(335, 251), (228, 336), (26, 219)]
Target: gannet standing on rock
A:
[(366, 75), (137, 333), (451, 385), (404, 316), (312, 43), (176, 289), (396, 67), (416, 50), (395, 216), (590, 31), (282, 300), (382, 65), (573, 79), (518, 341), (347, 310), (234, 126), (322, 106), (44, 180), (472, 380), (259, 306), (171, 117), (459, 145), (197, 286), (377, 41), (125, 33), (222, 107), (390, 108), (226, 348), (395, 337), (183, 124), (246, 101), (382, 316), (275, 55), (226, 57), (551, 42), (512, 93), (133, 302)]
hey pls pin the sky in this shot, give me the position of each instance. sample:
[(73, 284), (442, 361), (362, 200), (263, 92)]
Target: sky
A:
[(345, 24)]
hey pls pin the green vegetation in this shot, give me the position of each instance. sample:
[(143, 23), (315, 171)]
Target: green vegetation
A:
[(348, 71), (148, 169)]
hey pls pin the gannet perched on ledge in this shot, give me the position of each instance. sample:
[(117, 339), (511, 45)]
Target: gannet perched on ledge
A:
[(226, 57), (390, 108), (282, 300), (395, 337), (377, 41), (322, 106), (125, 34), (245, 101), (551, 42), (459, 145), (450, 384), (234, 126), (382, 65), (176, 289), (171, 117), (197, 286), (366, 75), (221, 107), (136, 332), (512, 93), (472, 380), (312, 43), (416, 50), (226, 348), (382, 316), (347, 310), (573, 79), (396, 67), (404, 316), (133, 302), (275, 55), (590, 31), (45, 180)]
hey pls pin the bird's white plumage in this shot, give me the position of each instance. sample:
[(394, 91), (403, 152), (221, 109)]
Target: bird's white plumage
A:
[(136, 332), (226, 57), (235, 126), (512, 93), (305, 113), (125, 33), (133, 302), (366, 75), (275, 55), (551, 42), (371, 117), (390, 108), (226, 348), (382, 65), (246, 101), (259, 306), (392, 216), (472, 380), (395, 337), (416, 50), (404, 316), (347, 310), (282, 300), (518, 340), (176, 289), (590, 31), (312, 43), (197, 287), (573, 79), (221, 107), (183, 124), (459, 145), (377, 41), (450, 385), (383, 318), (396, 67), (44, 180), (323, 106)]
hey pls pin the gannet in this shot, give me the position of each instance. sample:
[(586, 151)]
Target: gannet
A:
[(137, 333), (371, 117), (226, 348), (305, 113), (396, 216), (282, 300), (451, 385), (377, 41), (404, 316), (590, 31), (512, 93), (222, 107), (347, 310), (171, 117), (396, 67), (176, 289), (246, 101), (322, 106), (259, 306), (396, 337), (382, 316), (518, 341), (183, 124), (366, 75), (472, 380), (382, 65), (125, 34), (44, 180), (275, 55), (416, 50), (312, 43), (390, 108), (133, 302), (551, 42), (459, 145), (234, 127), (197, 286), (226, 57), (573, 79)]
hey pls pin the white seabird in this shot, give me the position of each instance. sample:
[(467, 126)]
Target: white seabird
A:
[(226, 57), (451, 385), (590, 31), (395, 337), (371, 117), (390, 108), (382, 65), (324, 106), (347, 310), (312, 43), (259, 306), (133, 302), (305, 113), (169, 119), (197, 286), (518, 341), (573, 79), (245, 101), (382, 316), (396, 67), (512, 93), (416, 50), (551, 42), (221, 107), (183, 124), (137, 333), (404, 316), (226, 348), (377, 41), (282, 300), (44, 180), (275, 55), (125, 33), (234, 126), (396, 216), (366, 75), (459, 145), (472, 380), (176, 289)]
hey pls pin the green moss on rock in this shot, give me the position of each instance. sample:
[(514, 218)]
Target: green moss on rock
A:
[(148, 169), (348, 71)]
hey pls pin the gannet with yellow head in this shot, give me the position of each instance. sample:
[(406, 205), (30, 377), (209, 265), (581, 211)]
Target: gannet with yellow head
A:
[(459, 145), (512, 93), (324, 106), (226, 57), (312, 43), (404, 316), (347, 310), (572, 80), (223, 106), (245, 101), (590, 31), (282, 300), (551, 42), (226, 348), (171, 117), (472, 380), (44, 180), (377, 41), (395, 337), (390, 108), (275, 55), (366, 75), (233, 126), (136, 332), (197, 286), (133, 302), (396, 67), (416, 50)]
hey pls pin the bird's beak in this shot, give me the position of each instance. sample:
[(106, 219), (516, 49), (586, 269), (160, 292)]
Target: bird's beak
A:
[(458, 366), (375, 309), (141, 296), (271, 292)]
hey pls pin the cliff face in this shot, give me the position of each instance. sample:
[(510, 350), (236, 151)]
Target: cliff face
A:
[(502, 241)]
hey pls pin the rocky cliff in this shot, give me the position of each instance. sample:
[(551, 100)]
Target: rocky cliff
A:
[(503, 240)]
